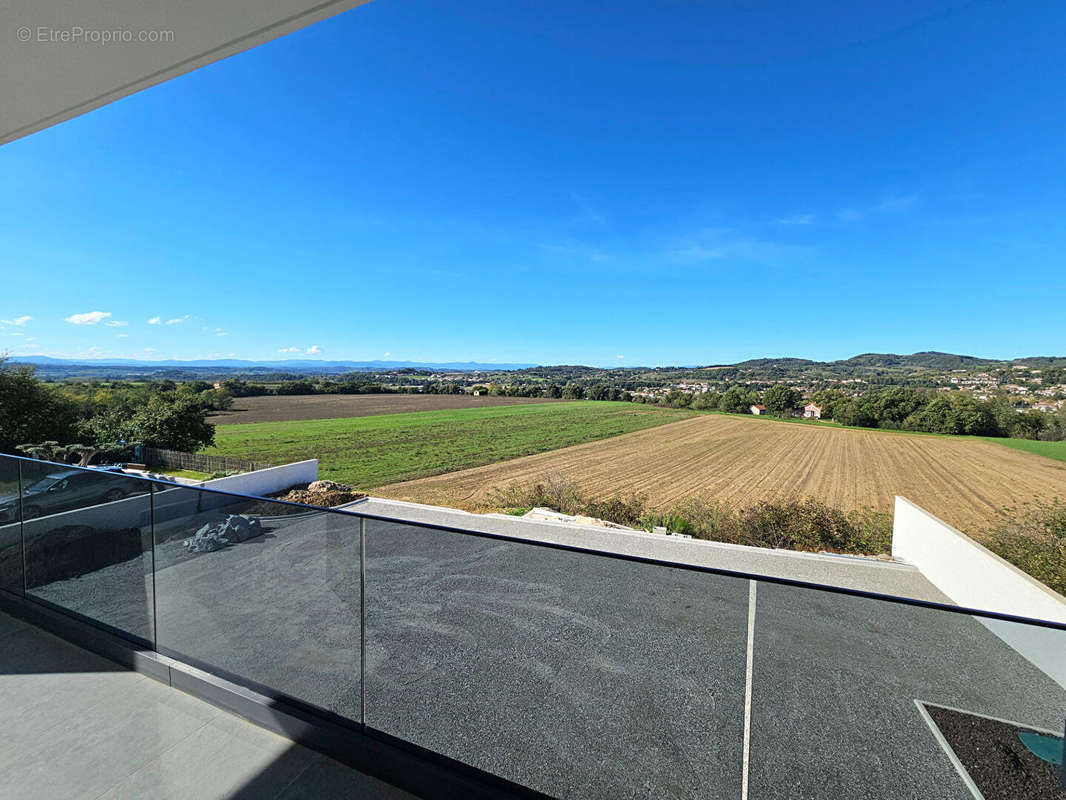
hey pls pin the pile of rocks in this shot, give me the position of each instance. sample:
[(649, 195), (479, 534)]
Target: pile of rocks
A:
[(216, 535), (323, 493)]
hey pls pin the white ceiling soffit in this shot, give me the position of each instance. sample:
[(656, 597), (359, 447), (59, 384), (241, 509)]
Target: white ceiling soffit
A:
[(61, 58)]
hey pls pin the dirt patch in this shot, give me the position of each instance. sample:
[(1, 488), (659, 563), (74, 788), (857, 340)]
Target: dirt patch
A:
[(993, 754), (322, 493), (341, 406)]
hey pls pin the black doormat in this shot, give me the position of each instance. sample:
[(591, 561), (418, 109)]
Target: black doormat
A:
[(999, 764)]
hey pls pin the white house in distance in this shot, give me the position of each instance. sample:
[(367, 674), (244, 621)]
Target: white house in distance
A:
[(758, 410), (811, 411)]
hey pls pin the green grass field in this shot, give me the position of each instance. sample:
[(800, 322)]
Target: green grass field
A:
[(185, 473), (1056, 450), (372, 451)]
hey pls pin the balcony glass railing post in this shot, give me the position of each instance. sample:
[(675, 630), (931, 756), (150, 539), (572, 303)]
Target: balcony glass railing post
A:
[(11, 555)]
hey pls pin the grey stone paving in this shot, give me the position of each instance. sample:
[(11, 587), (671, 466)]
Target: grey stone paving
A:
[(579, 676), (585, 676), (78, 726), (854, 572), (836, 677)]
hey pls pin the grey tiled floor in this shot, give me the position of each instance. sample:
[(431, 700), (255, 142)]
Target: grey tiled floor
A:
[(75, 725)]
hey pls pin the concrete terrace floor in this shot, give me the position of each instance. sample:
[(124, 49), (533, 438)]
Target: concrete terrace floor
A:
[(75, 725)]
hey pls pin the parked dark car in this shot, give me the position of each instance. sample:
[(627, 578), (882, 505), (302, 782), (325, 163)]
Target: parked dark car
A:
[(64, 491)]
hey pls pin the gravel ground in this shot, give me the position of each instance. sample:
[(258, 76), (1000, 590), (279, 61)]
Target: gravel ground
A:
[(579, 675)]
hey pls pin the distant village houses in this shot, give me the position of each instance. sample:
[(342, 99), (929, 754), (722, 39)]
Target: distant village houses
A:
[(811, 411), (758, 410)]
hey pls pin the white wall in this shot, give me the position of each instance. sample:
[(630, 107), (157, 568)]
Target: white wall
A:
[(975, 577), (267, 481)]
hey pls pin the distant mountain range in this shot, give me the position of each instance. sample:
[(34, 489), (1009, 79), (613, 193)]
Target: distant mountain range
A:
[(288, 365), (873, 366), (929, 359)]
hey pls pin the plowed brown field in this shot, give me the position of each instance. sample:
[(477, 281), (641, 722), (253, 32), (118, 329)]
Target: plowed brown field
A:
[(285, 408), (961, 480)]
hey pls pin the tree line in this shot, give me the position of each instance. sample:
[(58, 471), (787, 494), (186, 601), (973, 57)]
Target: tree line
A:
[(893, 408), (111, 419), (890, 407), (173, 415)]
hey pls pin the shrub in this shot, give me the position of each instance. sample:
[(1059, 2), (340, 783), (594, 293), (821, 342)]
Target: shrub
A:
[(700, 517), (624, 510), (806, 524), (552, 491), (790, 524), (1033, 538)]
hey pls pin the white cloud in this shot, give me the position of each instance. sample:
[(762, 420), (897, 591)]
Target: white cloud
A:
[(386, 355), (579, 251), (19, 321), (16, 333), (619, 356), (114, 323), (178, 320), (123, 336), (289, 350), (797, 219), (220, 332), (149, 349), (849, 215), (155, 321), (719, 244), (897, 203), (88, 318), (314, 350)]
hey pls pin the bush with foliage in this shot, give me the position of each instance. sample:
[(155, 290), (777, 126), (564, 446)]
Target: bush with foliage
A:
[(797, 524), (805, 524), (780, 400), (1033, 538), (31, 410), (94, 422), (737, 400)]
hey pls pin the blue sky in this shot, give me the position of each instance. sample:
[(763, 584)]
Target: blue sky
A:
[(665, 183)]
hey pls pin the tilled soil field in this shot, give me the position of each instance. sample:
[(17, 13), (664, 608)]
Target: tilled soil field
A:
[(961, 480)]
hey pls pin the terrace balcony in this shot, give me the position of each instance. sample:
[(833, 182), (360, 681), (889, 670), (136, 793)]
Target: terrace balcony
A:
[(166, 641)]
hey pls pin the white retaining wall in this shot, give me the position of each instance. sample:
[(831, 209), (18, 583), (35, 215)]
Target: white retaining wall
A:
[(267, 481), (975, 577)]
